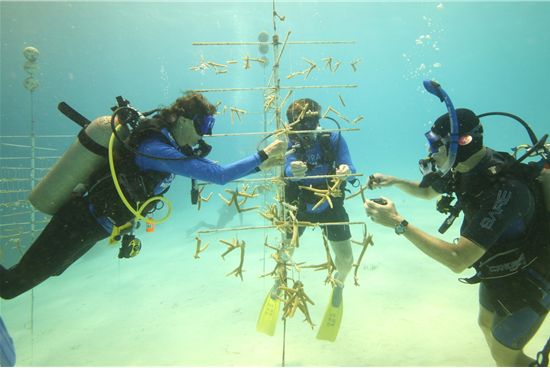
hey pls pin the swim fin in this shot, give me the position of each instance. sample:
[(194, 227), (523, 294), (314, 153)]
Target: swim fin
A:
[(267, 321), (333, 316)]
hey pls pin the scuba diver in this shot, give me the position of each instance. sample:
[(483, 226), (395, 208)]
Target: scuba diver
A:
[(504, 235), (313, 152), (94, 192)]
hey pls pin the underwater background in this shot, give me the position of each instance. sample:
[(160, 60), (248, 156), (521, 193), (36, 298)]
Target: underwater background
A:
[(165, 307)]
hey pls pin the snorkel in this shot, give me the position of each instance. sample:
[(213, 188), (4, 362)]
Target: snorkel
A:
[(435, 89)]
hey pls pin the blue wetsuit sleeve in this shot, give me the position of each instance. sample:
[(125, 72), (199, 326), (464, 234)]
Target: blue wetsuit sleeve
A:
[(344, 157), (193, 167)]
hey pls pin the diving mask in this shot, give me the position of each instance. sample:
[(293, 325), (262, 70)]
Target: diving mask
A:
[(435, 141), (204, 124), (307, 139)]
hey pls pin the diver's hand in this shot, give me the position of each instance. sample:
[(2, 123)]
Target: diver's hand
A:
[(343, 170), (378, 180), (298, 168), (275, 148), (275, 152), (272, 161), (383, 214)]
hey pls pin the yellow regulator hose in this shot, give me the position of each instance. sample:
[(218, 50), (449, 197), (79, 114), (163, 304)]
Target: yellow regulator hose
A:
[(136, 213)]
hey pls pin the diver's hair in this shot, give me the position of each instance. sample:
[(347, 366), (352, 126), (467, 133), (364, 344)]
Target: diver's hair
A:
[(305, 107), (190, 105)]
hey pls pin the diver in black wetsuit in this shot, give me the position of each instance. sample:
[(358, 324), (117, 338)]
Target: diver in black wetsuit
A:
[(504, 235)]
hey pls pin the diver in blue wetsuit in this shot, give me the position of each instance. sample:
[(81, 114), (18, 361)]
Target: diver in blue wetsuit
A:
[(146, 161), (315, 154), (504, 235), (318, 153)]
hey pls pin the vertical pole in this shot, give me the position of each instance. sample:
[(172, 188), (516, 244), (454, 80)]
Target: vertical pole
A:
[(33, 212), (278, 124), (33, 162)]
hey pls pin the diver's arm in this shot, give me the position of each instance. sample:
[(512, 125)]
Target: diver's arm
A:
[(457, 256), (378, 180), (193, 167), (414, 189)]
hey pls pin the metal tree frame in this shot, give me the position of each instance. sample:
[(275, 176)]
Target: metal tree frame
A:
[(280, 214)]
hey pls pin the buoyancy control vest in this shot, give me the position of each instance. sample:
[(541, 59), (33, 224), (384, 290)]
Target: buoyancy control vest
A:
[(532, 249), (137, 185), (293, 194)]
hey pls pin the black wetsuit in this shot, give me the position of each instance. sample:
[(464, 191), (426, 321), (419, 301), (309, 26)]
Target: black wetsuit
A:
[(505, 215), (71, 232)]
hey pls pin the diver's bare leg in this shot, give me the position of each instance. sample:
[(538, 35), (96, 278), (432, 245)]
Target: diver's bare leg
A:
[(343, 258), (503, 356)]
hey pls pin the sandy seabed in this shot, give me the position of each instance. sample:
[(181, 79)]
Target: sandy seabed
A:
[(166, 308)]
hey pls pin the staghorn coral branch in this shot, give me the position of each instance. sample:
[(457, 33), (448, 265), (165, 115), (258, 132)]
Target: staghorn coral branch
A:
[(367, 240), (199, 249), (361, 192)]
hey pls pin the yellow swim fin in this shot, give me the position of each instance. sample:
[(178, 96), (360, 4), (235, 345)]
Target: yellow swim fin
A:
[(333, 316), (267, 321)]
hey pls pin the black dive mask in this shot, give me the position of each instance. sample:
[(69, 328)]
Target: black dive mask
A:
[(305, 140)]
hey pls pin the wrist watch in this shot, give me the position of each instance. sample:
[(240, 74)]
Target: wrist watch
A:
[(401, 227)]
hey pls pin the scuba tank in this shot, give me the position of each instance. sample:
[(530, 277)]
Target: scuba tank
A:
[(89, 153), (85, 156)]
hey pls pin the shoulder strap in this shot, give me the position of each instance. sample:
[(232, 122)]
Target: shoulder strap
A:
[(91, 145), (327, 151)]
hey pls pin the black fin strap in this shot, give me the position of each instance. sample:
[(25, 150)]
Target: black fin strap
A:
[(91, 145)]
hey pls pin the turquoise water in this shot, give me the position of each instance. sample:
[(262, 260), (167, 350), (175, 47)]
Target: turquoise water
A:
[(166, 308)]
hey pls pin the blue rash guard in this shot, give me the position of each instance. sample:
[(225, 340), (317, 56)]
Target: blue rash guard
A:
[(192, 167), (314, 158)]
